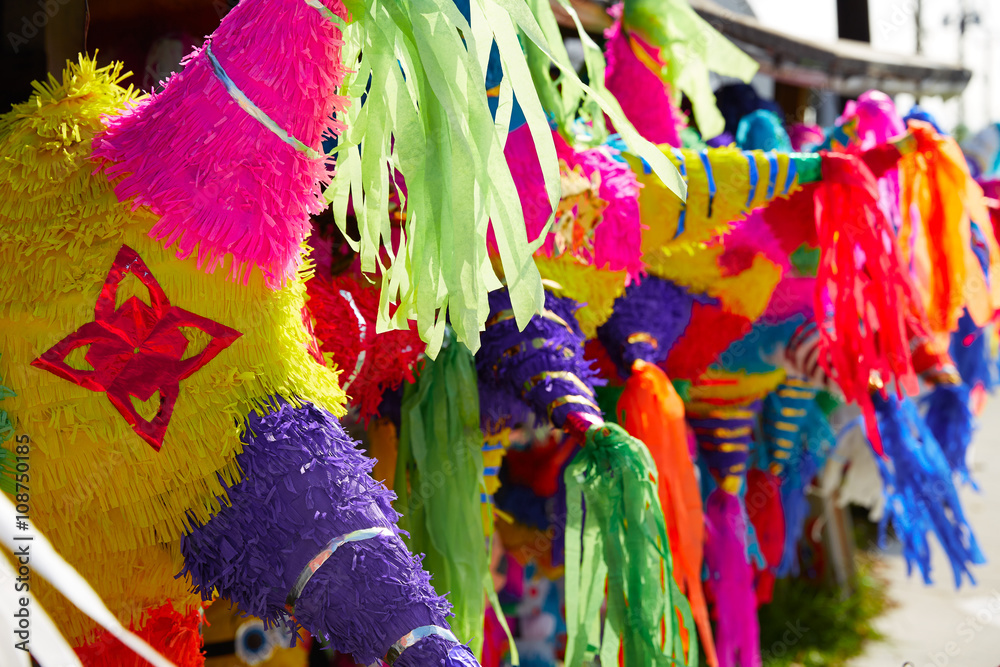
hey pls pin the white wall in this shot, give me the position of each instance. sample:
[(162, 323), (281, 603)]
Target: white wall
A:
[(893, 29)]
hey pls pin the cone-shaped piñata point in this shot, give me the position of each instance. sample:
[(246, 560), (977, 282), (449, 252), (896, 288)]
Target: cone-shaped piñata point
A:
[(223, 182)]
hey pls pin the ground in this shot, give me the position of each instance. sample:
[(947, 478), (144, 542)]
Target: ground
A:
[(937, 626)]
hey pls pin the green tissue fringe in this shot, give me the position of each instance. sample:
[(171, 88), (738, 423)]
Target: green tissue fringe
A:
[(439, 478), (622, 539), (422, 66)]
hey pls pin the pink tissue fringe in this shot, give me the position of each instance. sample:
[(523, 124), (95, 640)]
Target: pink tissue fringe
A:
[(731, 582), (794, 294), (618, 236), (644, 97), (221, 182)]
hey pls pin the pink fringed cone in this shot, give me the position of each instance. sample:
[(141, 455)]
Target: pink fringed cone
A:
[(221, 182), (617, 236), (644, 97), (731, 582)]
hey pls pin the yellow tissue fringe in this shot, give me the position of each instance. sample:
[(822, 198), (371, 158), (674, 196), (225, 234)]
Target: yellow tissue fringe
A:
[(113, 506), (660, 209), (746, 293), (595, 289)]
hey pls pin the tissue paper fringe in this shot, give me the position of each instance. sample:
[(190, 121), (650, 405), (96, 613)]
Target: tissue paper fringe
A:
[(306, 483), (704, 216), (224, 184), (175, 635), (369, 362), (510, 363), (100, 491)]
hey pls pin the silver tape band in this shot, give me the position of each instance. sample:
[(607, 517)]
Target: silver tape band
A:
[(253, 110), (317, 561)]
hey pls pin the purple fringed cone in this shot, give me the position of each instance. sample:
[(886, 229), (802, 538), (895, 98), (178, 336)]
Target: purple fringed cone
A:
[(655, 308), (534, 369), (304, 484)]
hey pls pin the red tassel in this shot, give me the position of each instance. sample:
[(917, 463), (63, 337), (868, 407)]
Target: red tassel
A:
[(862, 279)]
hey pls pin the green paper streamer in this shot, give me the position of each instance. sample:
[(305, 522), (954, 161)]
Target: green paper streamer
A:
[(439, 478), (623, 540), (690, 47), (421, 67)]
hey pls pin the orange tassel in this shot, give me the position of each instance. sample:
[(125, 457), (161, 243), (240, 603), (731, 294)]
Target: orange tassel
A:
[(936, 182), (651, 410)]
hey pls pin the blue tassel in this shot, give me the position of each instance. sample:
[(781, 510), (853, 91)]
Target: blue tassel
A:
[(971, 353), (921, 496), (950, 420)]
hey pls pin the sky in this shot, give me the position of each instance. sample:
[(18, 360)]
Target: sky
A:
[(893, 29)]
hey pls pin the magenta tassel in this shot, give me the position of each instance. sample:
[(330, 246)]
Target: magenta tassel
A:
[(730, 581)]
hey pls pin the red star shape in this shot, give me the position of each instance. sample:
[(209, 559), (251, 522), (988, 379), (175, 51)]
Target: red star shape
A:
[(137, 349)]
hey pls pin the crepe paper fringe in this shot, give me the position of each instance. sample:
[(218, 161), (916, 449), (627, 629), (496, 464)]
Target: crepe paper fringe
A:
[(595, 291), (730, 582), (921, 496), (420, 126), (651, 411), (689, 48), (717, 199), (439, 482), (525, 368), (646, 321), (174, 635), (860, 283), (232, 188), (876, 122), (346, 310), (950, 419), (762, 500), (937, 186), (622, 537), (633, 76), (99, 491), (607, 218), (741, 269), (306, 483)]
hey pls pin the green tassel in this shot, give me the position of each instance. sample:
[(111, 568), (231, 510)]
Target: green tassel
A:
[(623, 540), (439, 454)]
